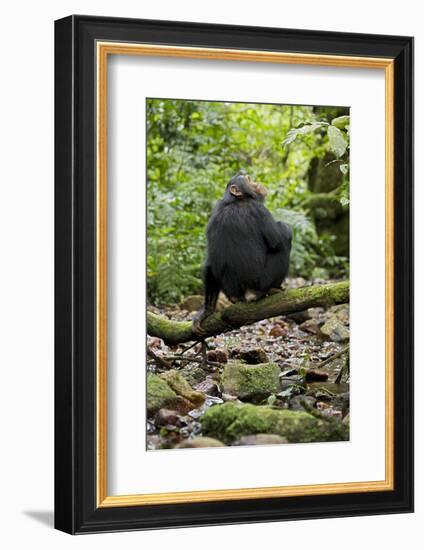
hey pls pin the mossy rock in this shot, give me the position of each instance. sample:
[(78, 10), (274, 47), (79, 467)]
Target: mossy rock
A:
[(251, 382), (179, 384), (231, 421), (199, 443), (160, 395)]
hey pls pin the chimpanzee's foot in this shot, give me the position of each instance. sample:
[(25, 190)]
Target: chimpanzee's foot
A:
[(251, 295), (198, 319), (197, 328)]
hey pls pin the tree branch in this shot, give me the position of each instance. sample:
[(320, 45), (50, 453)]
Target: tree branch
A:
[(237, 315)]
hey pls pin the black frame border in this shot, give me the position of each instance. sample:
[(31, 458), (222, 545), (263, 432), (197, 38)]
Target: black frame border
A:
[(75, 274)]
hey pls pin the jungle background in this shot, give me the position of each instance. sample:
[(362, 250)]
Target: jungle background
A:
[(253, 384)]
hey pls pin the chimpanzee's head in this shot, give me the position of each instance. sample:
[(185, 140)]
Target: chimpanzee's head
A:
[(241, 187)]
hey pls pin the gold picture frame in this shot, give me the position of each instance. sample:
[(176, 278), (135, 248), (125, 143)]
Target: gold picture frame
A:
[(106, 49)]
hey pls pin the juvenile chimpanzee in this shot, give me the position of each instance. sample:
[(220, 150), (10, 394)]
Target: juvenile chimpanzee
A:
[(248, 251)]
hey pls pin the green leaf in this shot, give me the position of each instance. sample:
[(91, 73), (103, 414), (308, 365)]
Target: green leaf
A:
[(303, 130), (290, 137), (344, 201), (341, 121), (338, 144)]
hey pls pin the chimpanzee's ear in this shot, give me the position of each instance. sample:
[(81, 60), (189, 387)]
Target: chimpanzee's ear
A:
[(235, 190)]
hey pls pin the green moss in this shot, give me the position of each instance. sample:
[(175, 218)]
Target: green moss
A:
[(239, 314), (250, 382), (193, 374), (159, 394), (230, 421), (169, 331), (340, 293), (180, 385)]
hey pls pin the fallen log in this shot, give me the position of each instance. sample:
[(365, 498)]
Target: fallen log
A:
[(242, 313)]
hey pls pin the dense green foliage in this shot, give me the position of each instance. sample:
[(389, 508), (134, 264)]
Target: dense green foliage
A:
[(195, 147)]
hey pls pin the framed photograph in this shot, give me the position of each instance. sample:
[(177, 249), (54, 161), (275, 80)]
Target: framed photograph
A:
[(234, 274)]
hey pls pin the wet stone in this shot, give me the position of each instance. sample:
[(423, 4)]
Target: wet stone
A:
[(277, 331), (315, 375), (253, 356), (218, 355), (166, 417), (154, 442), (261, 439), (341, 311), (311, 325), (154, 343), (296, 402), (208, 387), (302, 316), (335, 330), (199, 443), (193, 374)]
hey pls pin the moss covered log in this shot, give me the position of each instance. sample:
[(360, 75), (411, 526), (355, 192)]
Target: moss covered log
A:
[(237, 315)]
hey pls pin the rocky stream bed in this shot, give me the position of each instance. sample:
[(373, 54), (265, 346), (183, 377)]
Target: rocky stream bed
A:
[(280, 380)]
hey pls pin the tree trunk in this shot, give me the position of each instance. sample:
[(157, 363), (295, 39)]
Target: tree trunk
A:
[(281, 303)]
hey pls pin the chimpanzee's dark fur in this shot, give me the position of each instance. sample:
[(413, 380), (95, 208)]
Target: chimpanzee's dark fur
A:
[(248, 251)]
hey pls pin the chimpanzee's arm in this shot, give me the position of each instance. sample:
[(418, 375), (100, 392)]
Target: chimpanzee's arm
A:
[(287, 232), (211, 289), (271, 231)]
